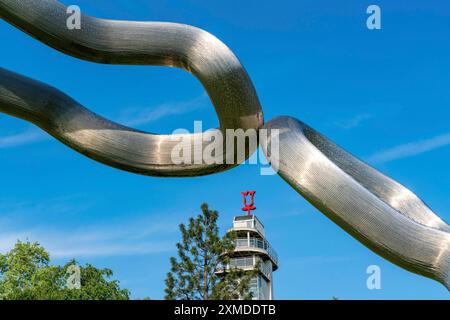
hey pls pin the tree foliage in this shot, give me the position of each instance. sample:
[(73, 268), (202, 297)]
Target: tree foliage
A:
[(26, 274), (200, 254)]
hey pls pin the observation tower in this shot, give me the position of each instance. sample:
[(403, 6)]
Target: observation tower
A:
[(251, 248)]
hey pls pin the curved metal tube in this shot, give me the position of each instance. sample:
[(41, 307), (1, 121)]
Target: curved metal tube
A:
[(376, 210), (126, 42), (379, 212)]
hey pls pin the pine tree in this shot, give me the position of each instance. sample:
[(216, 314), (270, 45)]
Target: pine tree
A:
[(200, 253)]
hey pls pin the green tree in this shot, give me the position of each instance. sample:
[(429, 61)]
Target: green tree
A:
[(200, 254), (26, 274)]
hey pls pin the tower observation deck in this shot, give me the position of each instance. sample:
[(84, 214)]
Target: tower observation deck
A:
[(251, 248)]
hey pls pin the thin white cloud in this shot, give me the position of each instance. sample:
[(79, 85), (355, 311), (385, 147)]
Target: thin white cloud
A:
[(23, 138), (113, 237), (410, 149), (16, 212), (112, 240), (130, 117), (354, 121), (108, 250), (316, 260), (142, 116), (7, 240)]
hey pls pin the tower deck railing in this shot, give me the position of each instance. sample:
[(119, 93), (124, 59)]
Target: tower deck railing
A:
[(251, 223), (248, 263), (257, 243)]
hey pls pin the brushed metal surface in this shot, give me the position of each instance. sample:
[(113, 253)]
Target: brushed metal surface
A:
[(126, 42), (376, 210)]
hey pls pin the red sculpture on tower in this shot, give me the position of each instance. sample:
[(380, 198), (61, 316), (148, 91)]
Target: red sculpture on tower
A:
[(249, 207)]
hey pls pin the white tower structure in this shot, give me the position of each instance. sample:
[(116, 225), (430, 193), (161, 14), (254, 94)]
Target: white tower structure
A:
[(251, 248)]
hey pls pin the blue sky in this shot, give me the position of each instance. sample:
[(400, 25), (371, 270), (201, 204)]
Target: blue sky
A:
[(383, 95)]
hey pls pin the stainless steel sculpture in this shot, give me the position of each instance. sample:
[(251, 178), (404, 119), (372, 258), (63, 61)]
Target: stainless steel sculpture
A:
[(376, 210), (125, 42)]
